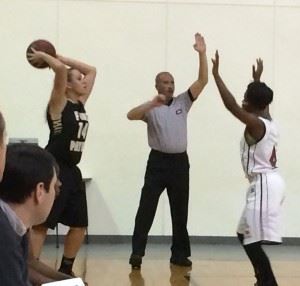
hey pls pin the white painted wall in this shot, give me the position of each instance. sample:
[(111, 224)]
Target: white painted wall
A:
[(129, 42)]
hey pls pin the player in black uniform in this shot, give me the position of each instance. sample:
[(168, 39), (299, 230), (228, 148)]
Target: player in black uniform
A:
[(68, 124)]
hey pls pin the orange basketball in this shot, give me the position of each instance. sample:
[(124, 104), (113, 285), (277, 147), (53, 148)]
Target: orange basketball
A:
[(44, 46)]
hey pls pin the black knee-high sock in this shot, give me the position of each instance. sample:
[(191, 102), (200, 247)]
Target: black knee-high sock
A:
[(261, 263), (66, 265), (256, 271)]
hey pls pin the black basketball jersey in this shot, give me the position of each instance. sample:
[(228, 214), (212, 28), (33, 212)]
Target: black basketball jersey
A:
[(67, 134)]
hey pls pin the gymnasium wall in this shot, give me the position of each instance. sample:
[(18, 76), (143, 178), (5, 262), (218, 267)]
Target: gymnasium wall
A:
[(129, 42)]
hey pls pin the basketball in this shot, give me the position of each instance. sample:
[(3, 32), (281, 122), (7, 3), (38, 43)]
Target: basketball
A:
[(43, 46)]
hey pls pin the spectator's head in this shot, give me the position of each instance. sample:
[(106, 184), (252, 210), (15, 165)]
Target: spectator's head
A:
[(29, 178)]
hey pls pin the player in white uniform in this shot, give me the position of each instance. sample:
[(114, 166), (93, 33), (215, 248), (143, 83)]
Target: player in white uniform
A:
[(260, 221)]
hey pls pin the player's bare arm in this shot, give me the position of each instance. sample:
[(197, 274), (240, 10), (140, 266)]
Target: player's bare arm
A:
[(138, 113), (202, 80), (88, 71), (255, 126), (57, 100)]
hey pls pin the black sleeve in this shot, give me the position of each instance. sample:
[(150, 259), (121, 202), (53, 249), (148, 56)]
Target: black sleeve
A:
[(190, 95)]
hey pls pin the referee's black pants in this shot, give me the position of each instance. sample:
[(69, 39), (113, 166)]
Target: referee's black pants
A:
[(170, 171)]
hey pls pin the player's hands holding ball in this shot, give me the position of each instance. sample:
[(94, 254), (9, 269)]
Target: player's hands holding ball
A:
[(38, 51), (35, 58)]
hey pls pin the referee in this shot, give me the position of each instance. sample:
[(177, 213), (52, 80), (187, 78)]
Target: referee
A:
[(168, 164)]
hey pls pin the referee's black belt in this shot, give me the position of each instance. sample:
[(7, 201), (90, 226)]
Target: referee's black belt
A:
[(167, 155)]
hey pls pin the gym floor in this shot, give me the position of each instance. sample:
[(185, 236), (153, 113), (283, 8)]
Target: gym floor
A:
[(213, 265)]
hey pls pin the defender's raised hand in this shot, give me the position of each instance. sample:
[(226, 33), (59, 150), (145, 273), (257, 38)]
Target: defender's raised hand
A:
[(199, 45), (256, 73), (215, 61)]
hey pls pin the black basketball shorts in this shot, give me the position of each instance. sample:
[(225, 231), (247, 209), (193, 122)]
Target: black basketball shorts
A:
[(70, 207)]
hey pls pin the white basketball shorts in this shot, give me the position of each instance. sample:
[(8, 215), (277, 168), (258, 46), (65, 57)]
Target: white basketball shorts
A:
[(261, 218)]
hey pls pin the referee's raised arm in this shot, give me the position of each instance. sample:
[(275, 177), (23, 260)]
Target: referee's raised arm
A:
[(197, 87)]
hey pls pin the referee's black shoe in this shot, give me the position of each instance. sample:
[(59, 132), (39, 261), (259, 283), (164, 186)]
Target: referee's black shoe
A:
[(135, 260), (181, 261)]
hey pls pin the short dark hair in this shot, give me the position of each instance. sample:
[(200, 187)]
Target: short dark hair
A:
[(26, 166), (158, 76), (259, 95), (2, 128)]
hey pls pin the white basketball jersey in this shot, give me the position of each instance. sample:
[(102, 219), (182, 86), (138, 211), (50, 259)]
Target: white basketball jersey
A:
[(261, 156)]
